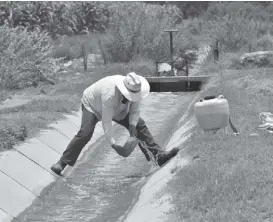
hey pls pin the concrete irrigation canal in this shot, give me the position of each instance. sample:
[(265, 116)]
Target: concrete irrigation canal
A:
[(104, 186)]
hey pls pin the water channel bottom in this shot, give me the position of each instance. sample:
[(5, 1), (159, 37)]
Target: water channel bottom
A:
[(102, 188)]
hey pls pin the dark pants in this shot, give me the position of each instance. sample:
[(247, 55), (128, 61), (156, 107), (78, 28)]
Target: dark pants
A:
[(84, 135)]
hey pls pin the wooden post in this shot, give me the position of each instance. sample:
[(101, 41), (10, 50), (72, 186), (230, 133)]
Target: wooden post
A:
[(249, 47), (216, 51), (187, 68), (157, 72), (85, 56)]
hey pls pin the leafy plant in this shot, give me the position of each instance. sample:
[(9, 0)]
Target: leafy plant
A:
[(137, 29), (25, 58)]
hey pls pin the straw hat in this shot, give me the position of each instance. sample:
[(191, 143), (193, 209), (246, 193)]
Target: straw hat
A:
[(134, 87)]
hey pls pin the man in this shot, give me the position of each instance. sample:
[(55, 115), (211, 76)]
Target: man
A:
[(114, 98)]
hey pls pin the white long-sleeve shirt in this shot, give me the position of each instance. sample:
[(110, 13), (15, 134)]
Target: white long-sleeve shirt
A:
[(104, 100)]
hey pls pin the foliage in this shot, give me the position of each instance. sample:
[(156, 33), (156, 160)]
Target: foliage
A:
[(24, 57), (191, 9), (137, 29), (243, 9), (57, 18)]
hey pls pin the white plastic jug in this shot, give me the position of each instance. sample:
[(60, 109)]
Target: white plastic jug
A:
[(212, 113)]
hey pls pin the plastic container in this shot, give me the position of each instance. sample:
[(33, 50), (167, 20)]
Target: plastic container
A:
[(212, 113)]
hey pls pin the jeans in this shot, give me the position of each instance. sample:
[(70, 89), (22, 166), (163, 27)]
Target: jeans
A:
[(84, 135)]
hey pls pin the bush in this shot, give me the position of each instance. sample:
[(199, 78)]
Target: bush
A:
[(24, 58), (236, 32), (237, 26), (57, 18), (246, 9), (137, 29)]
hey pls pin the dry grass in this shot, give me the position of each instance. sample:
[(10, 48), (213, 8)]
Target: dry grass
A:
[(230, 178)]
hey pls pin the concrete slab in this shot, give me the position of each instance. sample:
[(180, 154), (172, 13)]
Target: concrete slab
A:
[(31, 176), (168, 79), (66, 128), (40, 153), (78, 113), (181, 134), (54, 139), (74, 120), (14, 197), (4, 217)]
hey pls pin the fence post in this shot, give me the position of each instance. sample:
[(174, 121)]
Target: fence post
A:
[(188, 84), (187, 67), (85, 55), (157, 72), (249, 47), (216, 51)]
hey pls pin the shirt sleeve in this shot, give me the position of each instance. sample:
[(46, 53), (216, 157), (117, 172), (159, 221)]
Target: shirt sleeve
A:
[(134, 113), (107, 115)]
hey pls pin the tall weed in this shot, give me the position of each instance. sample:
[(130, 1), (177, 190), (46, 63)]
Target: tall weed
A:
[(24, 58), (137, 29), (236, 32)]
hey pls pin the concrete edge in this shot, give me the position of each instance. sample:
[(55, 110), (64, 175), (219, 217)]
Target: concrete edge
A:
[(152, 203)]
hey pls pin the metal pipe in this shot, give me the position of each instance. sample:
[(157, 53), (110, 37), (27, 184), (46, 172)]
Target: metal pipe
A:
[(171, 46)]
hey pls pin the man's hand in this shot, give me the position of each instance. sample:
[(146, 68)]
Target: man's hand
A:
[(128, 147), (120, 150), (132, 130)]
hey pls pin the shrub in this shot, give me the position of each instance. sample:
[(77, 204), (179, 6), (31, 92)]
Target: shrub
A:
[(237, 25), (24, 57), (236, 32), (246, 9), (57, 18), (137, 29)]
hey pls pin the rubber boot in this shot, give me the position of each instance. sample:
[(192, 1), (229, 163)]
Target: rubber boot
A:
[(164, 157), (58, 167)]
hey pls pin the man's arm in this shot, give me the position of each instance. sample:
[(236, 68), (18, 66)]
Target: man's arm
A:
[(134, 113), (107, 116)]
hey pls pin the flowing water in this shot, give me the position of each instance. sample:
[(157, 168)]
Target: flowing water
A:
[(103, 187)]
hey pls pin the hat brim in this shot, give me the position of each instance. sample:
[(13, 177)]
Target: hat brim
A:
[(134, 97)]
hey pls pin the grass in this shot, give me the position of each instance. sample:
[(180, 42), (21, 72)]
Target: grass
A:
[(230, 177)]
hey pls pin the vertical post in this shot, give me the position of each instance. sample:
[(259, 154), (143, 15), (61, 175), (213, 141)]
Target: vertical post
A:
[(171, 47), (187, 74), (157, 72), (216, 51), (84, 55), (187, 68), (171, 50), (249, 47)]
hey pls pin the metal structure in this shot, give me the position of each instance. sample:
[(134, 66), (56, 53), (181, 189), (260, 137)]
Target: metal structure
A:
[(171, 61), (171, 31)]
